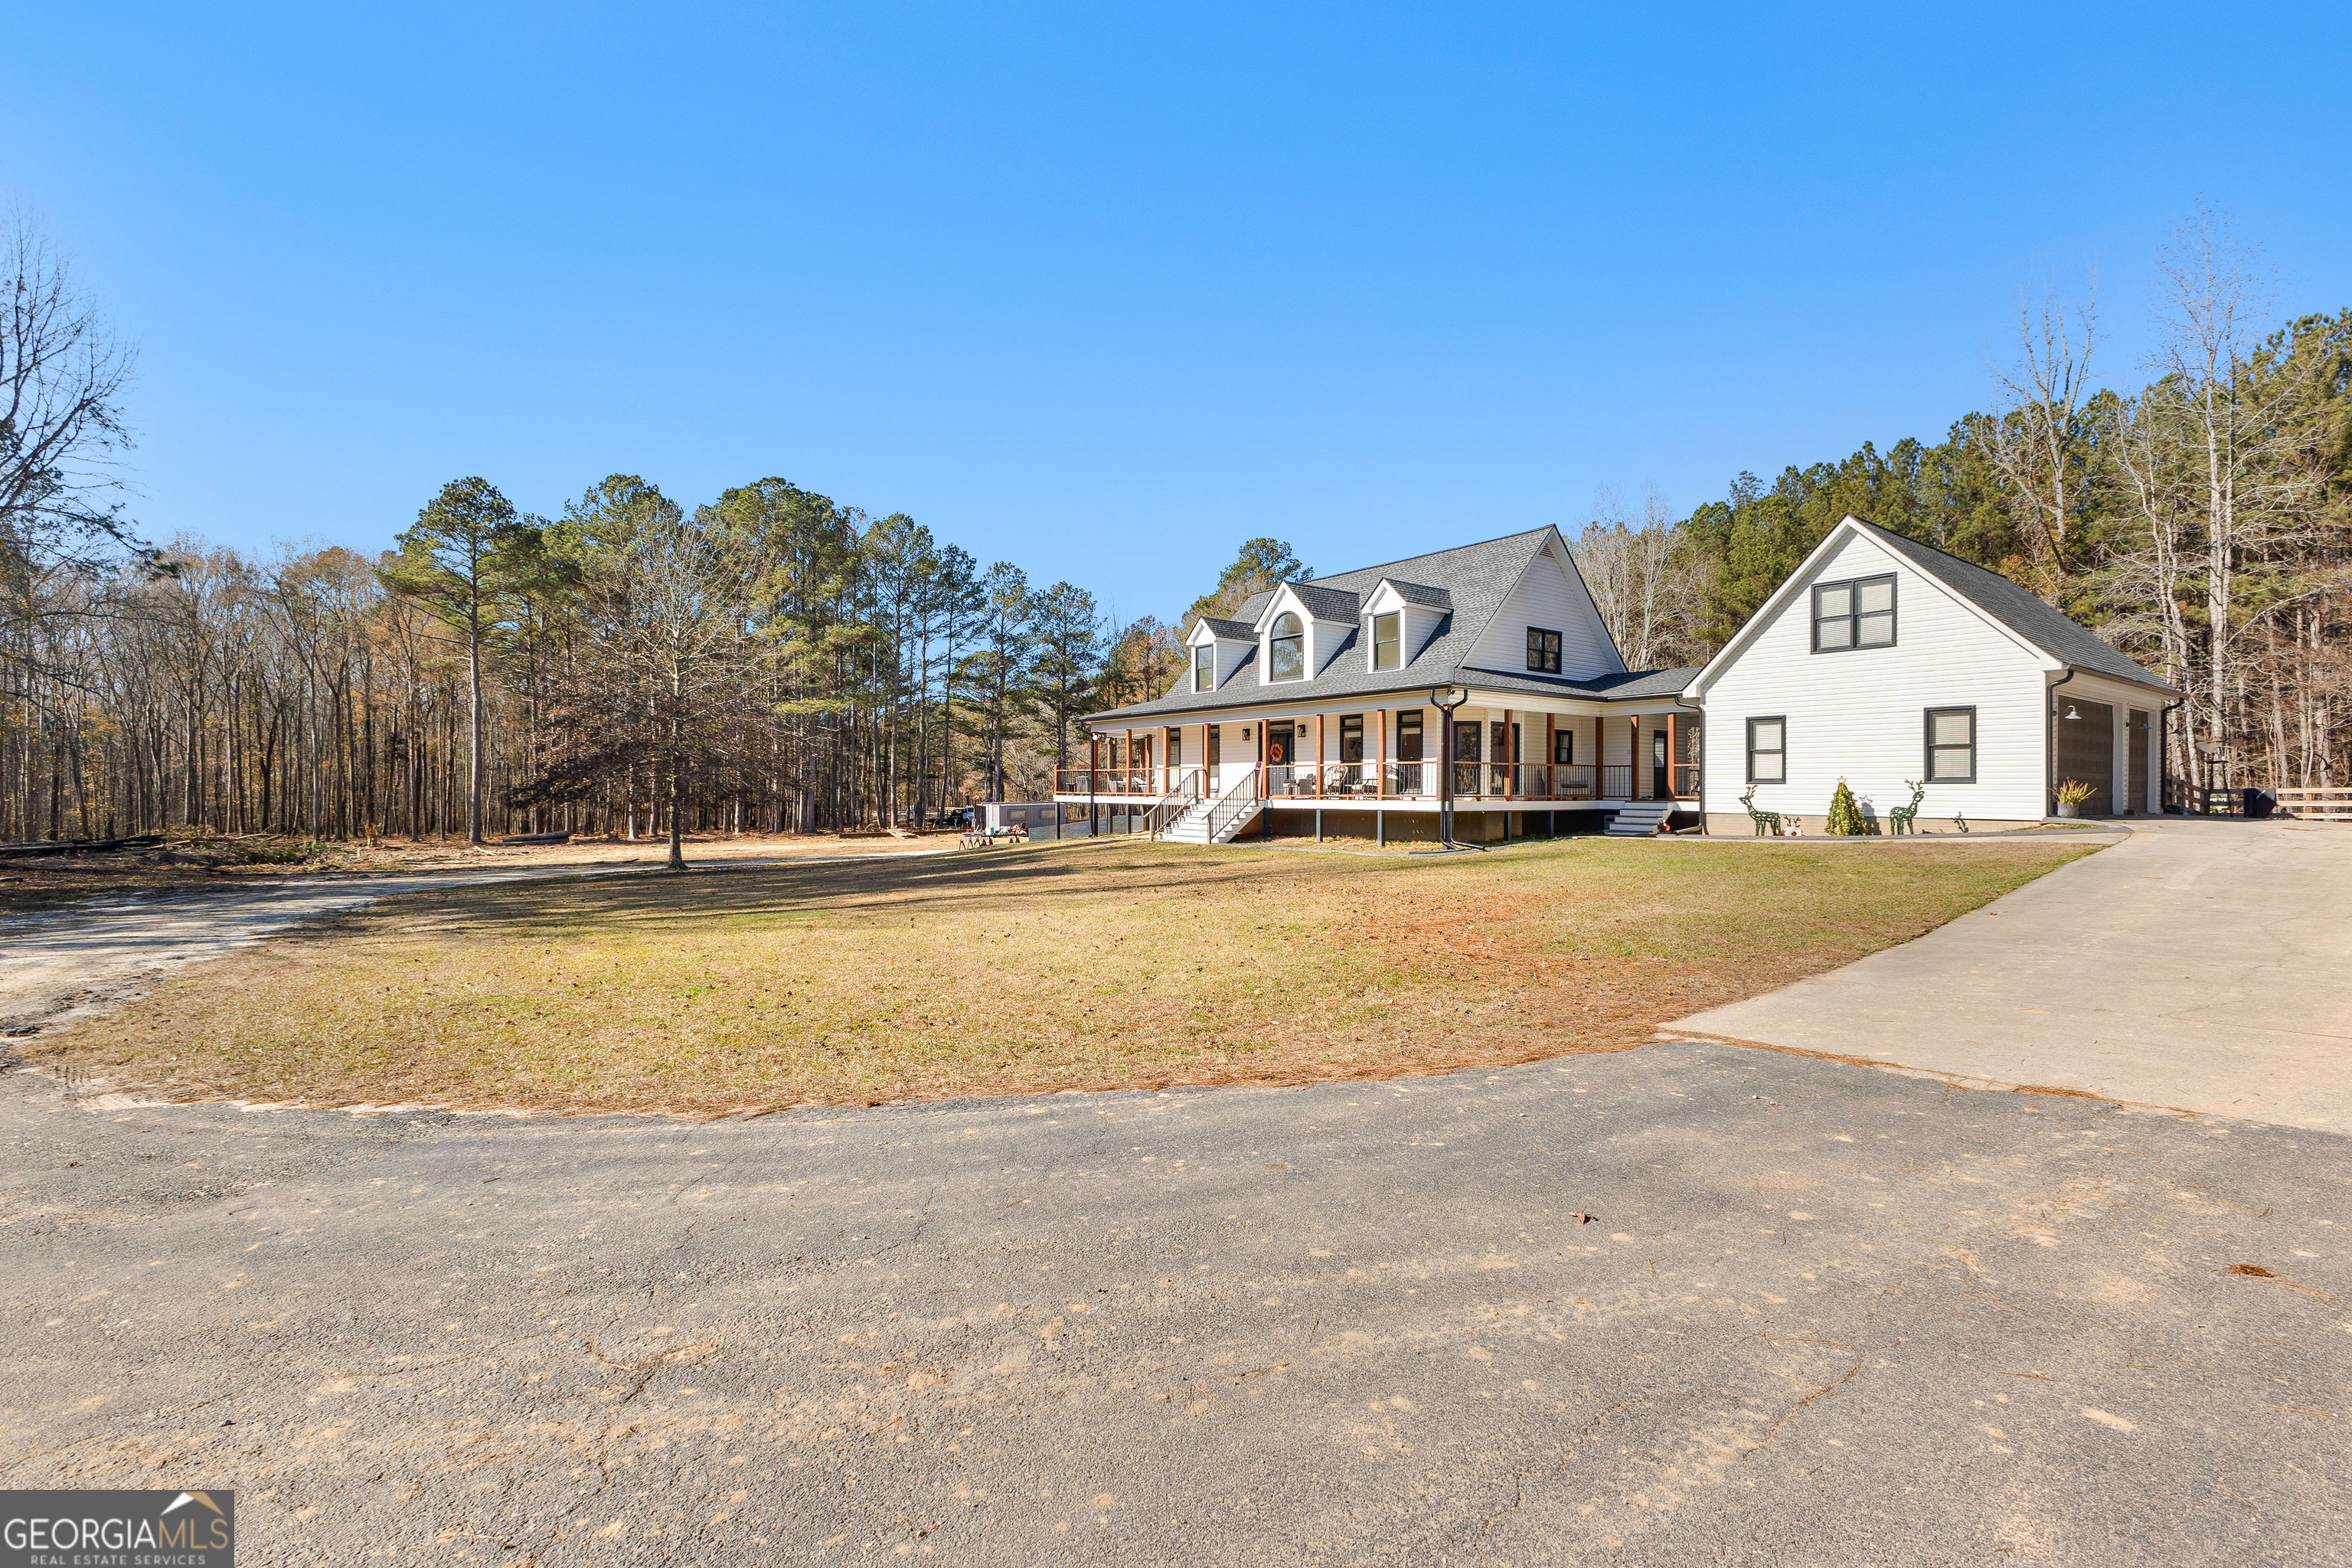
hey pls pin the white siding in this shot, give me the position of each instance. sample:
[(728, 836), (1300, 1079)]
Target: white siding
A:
[(1861, 715), (1548, 597)]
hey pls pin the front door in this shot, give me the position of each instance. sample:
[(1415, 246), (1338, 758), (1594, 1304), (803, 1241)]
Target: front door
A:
[(1281, 755), (1661, 787)]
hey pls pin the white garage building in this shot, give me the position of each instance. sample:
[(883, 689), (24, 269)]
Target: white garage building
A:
[(1888, 663)]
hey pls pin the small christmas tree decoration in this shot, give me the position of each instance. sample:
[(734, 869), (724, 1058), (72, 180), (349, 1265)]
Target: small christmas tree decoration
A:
[(1846, 817)]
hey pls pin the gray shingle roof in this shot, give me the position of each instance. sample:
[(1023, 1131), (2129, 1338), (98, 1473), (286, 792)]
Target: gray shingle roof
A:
[(1238, 631), (1326, 602), (1470, 583), (1422, 594), (2055, 633)]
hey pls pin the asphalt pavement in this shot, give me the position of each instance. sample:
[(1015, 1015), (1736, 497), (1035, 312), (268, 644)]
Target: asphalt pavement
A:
[(1688, 1304)]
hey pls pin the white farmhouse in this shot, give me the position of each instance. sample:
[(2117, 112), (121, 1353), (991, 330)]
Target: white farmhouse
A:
[(1482, 682)]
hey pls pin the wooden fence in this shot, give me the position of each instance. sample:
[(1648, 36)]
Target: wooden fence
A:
[(2316, 805)]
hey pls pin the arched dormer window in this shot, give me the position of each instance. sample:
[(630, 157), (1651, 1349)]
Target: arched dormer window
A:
[(1287, 658)]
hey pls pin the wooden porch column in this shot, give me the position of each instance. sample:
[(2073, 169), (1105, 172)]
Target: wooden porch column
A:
[(1319, 770), (1633, 759), (1128, 777), (1510, 778), (1550, 770), (1380, 758), (1671, 790)]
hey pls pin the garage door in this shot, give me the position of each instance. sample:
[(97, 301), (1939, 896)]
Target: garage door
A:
[(2086, 750)]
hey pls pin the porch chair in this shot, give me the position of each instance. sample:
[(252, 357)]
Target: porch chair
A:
[(1768, 823), (1902, 818)]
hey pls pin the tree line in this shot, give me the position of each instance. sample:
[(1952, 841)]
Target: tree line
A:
[(768, 661), (775, 660), (2200, 520)]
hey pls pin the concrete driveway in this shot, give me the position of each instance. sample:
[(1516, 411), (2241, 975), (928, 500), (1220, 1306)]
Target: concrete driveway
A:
[(1688, 1304), (2203, 965)]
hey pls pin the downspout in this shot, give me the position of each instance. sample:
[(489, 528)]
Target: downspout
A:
[(2050, 790)]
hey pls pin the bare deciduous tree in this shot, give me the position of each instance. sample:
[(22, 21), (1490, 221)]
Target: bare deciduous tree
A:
[(2038, 439)]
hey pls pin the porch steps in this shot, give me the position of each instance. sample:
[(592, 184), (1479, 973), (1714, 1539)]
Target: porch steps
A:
[(1192, 827), (1637, 821)]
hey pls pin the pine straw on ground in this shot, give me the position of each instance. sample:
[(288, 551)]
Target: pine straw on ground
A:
[(1104, 964)]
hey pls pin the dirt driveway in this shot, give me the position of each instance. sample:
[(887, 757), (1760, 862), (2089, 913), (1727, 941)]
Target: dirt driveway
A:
[(2200, 966)]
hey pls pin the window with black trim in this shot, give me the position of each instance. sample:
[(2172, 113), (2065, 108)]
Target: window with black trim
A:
[(1408, 735), (1951, 745), (1856, 614), (1352, 737), (1543, 651), (1767, 751), (1204, 667), (1388, 641), (1563, 746), (1287, 658)]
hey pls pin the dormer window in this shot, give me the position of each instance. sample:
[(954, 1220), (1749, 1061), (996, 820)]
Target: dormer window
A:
[(1543, 651), (1204, 667), (1286, 657), (1388, 641)]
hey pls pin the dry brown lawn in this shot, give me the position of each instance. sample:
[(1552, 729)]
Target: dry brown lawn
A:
[(1083, 965)]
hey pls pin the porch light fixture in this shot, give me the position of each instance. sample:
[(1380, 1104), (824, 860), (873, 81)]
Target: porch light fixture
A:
[(1445, 700), (2070, 711)]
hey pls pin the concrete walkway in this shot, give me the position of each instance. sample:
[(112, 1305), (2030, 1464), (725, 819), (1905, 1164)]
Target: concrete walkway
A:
[(2199, 965)]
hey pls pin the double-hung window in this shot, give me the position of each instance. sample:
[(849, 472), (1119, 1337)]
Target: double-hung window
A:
[(1388, 641), (1204, 667), (1859, 613), (1951, 745), (1287, 651), (1767, 751), (1543, 651), (1563, 747)]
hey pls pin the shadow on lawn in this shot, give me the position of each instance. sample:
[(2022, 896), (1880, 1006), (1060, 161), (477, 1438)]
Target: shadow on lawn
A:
[(919, 886)]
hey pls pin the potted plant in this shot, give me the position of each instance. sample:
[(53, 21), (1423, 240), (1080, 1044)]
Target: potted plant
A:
[(2071, 794)]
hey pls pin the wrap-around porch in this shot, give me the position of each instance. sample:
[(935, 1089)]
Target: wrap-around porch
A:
[(1494, 756)]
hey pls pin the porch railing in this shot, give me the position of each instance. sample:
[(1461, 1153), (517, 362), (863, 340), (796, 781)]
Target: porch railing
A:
[(1418, 780), (1234, 806), (1154, 781)]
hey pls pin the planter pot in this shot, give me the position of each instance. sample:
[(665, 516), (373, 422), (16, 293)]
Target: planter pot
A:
[(2070, 809)]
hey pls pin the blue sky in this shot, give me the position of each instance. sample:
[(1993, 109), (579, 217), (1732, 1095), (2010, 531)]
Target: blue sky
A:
[(1103, 290)]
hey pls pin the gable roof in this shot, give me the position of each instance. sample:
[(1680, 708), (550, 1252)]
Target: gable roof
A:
[(1469, 583), (1420, 593), (1326, 602), (2049, 631), (1231, 631), (2054, 632)]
